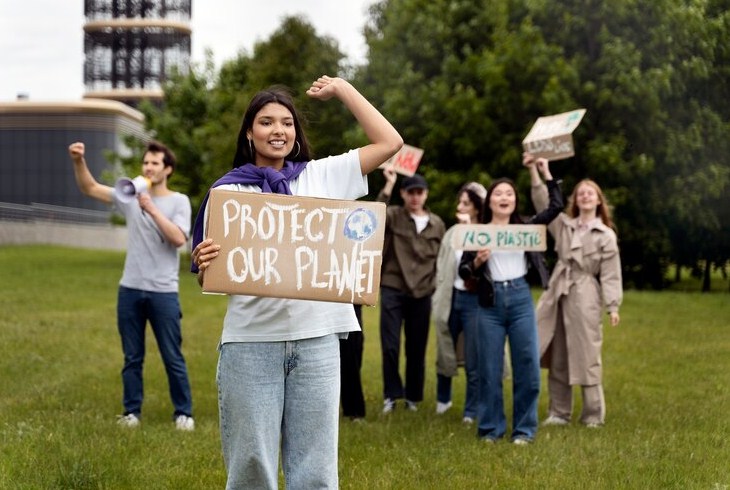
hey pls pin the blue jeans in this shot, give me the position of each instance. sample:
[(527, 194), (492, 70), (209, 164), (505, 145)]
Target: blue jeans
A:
[(511, 317), (134, 308), (463, 318), (287, 393)]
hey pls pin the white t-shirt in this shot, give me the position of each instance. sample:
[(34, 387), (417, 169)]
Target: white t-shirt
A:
[(260, 319), (421, 221), (506, 265)]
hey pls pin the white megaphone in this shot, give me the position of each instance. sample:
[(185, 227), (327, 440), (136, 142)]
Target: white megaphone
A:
[(127, 189)]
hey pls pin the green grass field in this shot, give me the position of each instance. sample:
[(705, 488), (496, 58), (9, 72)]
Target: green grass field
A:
[(667, 384)]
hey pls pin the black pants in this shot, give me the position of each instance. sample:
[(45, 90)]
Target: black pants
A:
[(351, 349), (397, 308)]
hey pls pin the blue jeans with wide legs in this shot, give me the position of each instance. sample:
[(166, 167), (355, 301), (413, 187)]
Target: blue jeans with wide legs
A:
[(280, 393), (134, 308), (463, 319), (511, 317)]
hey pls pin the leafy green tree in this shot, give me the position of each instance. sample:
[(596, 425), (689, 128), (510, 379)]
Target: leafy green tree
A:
[(465, 80)]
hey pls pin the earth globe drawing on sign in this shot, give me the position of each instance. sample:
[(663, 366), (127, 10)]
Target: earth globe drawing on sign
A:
[(360, 225)]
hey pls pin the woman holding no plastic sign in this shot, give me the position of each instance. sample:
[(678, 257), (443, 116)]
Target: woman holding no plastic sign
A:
[(506, 311), (278, 370)]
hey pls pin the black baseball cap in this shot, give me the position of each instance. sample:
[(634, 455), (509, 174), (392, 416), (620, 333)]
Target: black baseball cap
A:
[(415, 182)]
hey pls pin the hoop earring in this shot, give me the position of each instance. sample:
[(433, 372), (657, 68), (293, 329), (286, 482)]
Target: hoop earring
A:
[(299, 148), (250, 148)]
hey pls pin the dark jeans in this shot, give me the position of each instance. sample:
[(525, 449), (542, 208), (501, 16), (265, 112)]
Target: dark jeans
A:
[(463, 320), (134, 308), (351, 348), (396, 309)]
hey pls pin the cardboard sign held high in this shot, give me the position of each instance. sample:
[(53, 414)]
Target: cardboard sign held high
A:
[(406, 161), (551, 136), (297, 247)]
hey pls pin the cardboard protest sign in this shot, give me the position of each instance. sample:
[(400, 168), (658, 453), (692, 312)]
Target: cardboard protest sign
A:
[(500, 237), (551, 136), (295, 247), (406, 161)]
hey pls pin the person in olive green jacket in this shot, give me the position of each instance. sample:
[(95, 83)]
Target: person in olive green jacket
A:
[(413, 236)]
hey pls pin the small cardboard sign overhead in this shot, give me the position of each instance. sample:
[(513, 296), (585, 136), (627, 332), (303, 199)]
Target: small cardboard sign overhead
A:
[(295, 247), (406, 161), (551, 136), (500, 237)]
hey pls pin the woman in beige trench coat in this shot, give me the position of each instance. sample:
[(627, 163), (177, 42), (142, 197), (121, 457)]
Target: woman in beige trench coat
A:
[(586, 277)]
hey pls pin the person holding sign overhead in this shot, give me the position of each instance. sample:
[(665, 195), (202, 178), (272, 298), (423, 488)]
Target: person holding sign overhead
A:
[(279, 362), (586, 277), (412, 239), (506, 311)]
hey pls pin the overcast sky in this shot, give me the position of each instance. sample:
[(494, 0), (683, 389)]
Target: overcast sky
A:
[(42, 41)]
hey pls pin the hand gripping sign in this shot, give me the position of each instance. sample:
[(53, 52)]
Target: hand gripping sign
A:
[(295, 247)]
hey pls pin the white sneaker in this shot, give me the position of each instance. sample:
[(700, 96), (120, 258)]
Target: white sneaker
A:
[(554, 420), (594, 425), (388, 405), (520, 441), (183, 422), (130, 420), (467, 420), (441, 407), (412, 406)]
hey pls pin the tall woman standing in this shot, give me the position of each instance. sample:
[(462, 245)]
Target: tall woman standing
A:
[(507, 312), (279, 367), (586, 278)]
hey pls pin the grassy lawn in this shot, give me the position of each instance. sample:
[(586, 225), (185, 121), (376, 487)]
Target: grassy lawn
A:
[(667, 384)]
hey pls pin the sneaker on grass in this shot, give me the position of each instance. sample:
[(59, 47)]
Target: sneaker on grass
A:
[(129, 420), (554, 420), (388, 405), (183, 422), (442, 407)]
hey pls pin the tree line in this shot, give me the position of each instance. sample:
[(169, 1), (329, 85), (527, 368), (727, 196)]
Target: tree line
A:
[(466, 79)]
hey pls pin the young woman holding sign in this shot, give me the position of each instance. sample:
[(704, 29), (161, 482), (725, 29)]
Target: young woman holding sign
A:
[(454, 310), (506, 312), (586, 277), (278, 370)]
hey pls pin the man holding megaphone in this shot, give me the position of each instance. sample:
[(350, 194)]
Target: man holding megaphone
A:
[(158, 223)]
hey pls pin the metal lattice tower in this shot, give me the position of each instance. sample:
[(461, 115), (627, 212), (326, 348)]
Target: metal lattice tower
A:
[(133, 46)]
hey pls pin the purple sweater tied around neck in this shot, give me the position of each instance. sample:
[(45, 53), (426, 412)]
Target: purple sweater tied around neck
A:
[(268, 179)]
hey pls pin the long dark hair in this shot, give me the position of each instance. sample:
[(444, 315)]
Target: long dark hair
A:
[(245, 153), (514, 218)]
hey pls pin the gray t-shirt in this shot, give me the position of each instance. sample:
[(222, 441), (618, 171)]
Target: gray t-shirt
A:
[(152, 263)]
